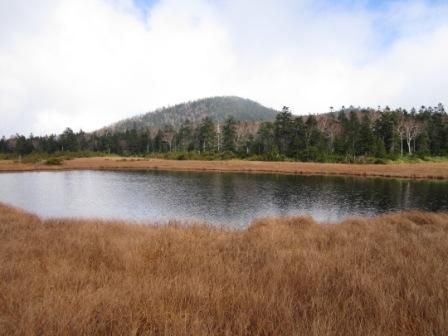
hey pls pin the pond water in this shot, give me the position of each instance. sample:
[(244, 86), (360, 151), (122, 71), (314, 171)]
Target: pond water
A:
[(219, 198)]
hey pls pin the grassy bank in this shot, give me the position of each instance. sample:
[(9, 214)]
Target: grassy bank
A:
[(427, 170), (379, 276), (50, 159), (42, 157), (333, 158)]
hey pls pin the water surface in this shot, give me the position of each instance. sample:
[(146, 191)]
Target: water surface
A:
[(218, 198)]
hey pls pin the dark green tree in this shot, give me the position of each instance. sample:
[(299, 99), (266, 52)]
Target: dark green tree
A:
[(283, 130), (265, 138), (298, 140), (23, 145), (3, 145), (69, 141), (158, 141), (366, 143), (311, 132), (207, 135), (185, 136), (229, 135)]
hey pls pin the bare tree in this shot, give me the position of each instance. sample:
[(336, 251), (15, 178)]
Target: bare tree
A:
[(408, 129), (329, 127), (168, 136), (218, 136), (401, 132)]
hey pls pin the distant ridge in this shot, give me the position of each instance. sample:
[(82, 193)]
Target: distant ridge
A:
[(217, 108)]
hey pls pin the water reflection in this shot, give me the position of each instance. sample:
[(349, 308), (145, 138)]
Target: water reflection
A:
[(220, 198)]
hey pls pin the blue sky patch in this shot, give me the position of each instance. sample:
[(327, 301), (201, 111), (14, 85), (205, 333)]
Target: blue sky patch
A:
[(144, 5)]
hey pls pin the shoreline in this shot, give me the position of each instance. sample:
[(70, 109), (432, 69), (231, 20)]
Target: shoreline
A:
[(185, 224), (430, 170)]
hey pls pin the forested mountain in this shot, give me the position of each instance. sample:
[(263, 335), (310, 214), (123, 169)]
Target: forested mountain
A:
[(216, 108), (205, 129)]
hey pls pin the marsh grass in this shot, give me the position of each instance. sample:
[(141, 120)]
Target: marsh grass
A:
[(426, 170), (287, 276), (41, 157), (54, 161)]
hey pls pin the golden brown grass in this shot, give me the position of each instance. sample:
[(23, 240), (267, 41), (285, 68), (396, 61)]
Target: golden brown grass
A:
[(386, 275), (427, 170)]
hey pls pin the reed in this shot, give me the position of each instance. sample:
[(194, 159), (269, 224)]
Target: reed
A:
[(385, 275), (426, 170)]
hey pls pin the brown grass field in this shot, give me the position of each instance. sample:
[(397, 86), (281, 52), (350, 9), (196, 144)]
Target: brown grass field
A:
[(429, 170), (386, 275)]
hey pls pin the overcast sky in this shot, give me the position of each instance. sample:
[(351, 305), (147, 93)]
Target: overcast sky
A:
[(88, 63)]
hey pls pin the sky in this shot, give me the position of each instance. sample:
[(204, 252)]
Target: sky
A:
[(85, 64)]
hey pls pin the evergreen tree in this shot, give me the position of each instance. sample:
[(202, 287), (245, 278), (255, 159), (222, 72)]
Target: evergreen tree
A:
[(131, 141), (69, 142), (283, 130), (312, 134), (265, 138), (366, 143), (24, 146), (298, 142), (207, 135), (423, 144), (82, 140), (352, 131), (386, 129), (145, 143), (229, 135), (49, 144), (185, 136), (437, 133), (3, 145)]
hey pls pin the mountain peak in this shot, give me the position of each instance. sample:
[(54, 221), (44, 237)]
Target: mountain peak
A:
[(218, 108)]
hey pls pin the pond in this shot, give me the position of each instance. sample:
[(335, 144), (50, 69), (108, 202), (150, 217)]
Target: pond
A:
[(229, 199)]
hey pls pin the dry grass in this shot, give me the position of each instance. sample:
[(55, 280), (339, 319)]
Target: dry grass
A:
[(428, 170), (382, 276)]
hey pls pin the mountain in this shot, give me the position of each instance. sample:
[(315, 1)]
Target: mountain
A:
[(217, 108)]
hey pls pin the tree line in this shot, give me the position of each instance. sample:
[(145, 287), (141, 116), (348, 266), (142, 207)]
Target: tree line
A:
[(349, 134)]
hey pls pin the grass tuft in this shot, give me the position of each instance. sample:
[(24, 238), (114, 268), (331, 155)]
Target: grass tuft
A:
[(54, 162)]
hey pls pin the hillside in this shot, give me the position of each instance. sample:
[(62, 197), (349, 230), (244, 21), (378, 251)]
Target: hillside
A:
[(218, 108)]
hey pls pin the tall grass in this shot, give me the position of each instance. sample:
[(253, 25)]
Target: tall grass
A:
[(374, 276), (38, 157), (42, 157), (426, 170)]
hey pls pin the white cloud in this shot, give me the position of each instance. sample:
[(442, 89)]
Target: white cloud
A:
[(87, 63)]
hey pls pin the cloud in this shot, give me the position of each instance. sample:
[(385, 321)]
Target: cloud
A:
[(88, 63)]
